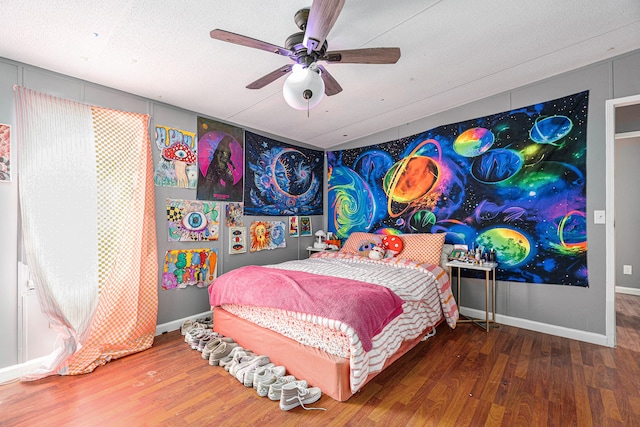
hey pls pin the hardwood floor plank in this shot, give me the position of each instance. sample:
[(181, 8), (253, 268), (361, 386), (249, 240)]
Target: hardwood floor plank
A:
[(465, 377)]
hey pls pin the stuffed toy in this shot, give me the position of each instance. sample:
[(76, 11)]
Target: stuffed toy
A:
[(393, 245), (377, 252), (365, 246)]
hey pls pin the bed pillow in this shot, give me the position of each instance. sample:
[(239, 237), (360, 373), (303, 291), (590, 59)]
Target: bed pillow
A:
[(423, 247), (360, 243)]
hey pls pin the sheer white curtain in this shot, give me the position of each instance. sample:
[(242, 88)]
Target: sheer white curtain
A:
[(86, 197)]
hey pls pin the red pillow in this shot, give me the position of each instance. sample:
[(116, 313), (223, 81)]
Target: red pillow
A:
[(393, 245)]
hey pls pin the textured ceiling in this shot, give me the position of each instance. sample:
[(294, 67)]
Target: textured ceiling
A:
[(453, 52)]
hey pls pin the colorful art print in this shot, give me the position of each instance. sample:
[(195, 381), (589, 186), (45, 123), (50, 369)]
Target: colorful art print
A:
[(234, 212), (220, 161), (267, 235), (5, 153), (187, 267), (192, 220), (305, 226), (177, 166), (293, 226), (237, 240), (282, 179), (514, 182)]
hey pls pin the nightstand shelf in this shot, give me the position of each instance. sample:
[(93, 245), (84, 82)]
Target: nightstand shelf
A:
[(311, 249), (490, 277)]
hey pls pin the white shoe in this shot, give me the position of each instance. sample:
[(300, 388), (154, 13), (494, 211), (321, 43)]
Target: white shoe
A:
[(293, 395)]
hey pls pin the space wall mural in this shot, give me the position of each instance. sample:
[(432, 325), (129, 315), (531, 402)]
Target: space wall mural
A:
[(514, 182), (282, 179)]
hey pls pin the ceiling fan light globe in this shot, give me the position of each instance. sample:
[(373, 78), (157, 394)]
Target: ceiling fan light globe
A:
[(296, 88)]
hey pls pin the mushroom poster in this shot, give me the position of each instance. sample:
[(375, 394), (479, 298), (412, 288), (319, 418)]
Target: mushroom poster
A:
[(177, 166), (220, 161)]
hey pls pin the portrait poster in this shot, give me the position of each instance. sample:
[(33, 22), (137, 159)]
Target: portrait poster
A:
[(177, 166), (192, 220), (5, 153), (189, 267), (513, 181), (234, 212), (267, 235), (282, 179), (220, 161), (293, 226), (237, 240), (305, 226)]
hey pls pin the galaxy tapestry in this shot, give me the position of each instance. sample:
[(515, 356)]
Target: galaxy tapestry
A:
[(220, 161), (282, 179), (514, 182)]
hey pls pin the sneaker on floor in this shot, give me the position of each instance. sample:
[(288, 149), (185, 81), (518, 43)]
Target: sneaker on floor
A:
[(243, 369), (186, 326), (213, 344), (293, 395), (207, 338), (249, 377), (197, 330), (275, 389), (268, 377), (221, 352)]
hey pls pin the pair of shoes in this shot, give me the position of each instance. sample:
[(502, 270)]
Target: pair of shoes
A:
[(186, 326), (221, 352), (294, 394), (249, 377), (275, 389), (202, 334), (265, 377), (240, 358), (195, 332), (213, 344), (245, 369)]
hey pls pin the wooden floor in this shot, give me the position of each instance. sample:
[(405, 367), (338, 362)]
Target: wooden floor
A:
[(462, 377)]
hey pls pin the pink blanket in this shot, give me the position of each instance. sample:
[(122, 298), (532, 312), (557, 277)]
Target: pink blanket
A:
[(366, 307)]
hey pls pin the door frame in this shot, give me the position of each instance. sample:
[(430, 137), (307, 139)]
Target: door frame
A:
[(610, 281)]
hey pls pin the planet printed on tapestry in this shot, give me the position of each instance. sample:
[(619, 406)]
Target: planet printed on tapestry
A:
[(282, 179), (192, 220), (514, 182)]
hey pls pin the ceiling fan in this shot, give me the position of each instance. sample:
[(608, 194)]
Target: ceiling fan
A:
[(306, 49)]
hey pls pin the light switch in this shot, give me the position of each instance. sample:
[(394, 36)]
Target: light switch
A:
[(599, 217)]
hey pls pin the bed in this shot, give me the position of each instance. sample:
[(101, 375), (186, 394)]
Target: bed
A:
[(338, 319)]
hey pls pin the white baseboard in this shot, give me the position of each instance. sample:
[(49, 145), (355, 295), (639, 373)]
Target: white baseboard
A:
[(545, 328), (628, 291), (14, 372)]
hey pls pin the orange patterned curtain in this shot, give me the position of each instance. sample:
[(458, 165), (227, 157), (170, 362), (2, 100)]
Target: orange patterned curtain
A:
[(87, 203)]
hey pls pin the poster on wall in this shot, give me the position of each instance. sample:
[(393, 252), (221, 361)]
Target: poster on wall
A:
[(282, 179), (178, 158), (305, 226), (192, 220), (237, 240), (267, 235), (220, 161), (189, 267), (5, 153), (294, 230), (514, 182), (233, 216)]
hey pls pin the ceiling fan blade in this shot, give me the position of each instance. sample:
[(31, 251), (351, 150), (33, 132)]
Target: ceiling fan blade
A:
[(374, 55), (331, 85), (322, 16), (270, 78), (234, 38)]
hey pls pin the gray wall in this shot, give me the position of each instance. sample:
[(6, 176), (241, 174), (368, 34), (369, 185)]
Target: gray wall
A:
[(582, 309), (172, 304)]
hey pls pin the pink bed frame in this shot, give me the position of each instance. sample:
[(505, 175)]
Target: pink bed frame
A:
[(318, 368)]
